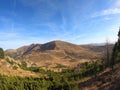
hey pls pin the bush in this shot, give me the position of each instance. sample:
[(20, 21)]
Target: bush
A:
[(15, 67), (2, 53), (10, 61), (23, 65)]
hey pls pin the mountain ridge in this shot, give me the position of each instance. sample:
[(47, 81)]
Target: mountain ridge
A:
[(53, 46)]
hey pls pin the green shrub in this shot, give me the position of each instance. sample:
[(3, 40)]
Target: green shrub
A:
[(2, 53), (15, 67), (10, 61), (23, 65)]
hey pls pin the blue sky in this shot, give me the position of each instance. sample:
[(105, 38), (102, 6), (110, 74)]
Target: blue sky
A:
[(23, 22)]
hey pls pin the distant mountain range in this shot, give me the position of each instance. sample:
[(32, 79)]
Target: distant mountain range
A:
[(98, 47)]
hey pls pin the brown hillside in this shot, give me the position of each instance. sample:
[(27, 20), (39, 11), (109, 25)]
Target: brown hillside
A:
[(21, 50), (32, 48), (55, 51), (16, 53), (7, 68)]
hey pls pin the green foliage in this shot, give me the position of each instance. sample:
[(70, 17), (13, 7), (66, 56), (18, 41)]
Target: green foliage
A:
[(36, 69), (10, 61), (60, 66), (2, 53), (65, 80), (116, 52), (15, 67), (23, 65), (119, 33), (29, 83), (83, 70)]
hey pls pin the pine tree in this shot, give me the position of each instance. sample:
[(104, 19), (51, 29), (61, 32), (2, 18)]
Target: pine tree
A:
[(1, 53), (116, 52), (113, 56), (119, 34)]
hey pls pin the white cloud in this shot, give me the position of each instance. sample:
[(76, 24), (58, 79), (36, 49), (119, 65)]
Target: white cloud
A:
[(111, 11), (111, 39)]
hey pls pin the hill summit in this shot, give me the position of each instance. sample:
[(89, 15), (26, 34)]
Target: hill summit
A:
[(52, 50)]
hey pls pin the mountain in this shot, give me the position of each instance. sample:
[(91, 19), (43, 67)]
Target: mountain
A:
[(54, 48), (16, 53), (58, 52), (98, 47)]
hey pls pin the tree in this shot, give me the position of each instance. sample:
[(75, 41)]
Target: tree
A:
[(119, 34), (2, 53), (116, 51), (106, 55), (113, 56)]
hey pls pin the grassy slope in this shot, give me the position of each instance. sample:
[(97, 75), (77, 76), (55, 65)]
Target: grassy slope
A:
[(8, 69), (107, 80)]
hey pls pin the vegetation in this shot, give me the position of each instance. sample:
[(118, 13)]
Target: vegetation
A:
[(116, 52), (23, 65), (2, 53), (15, 67), (65, 80), (10, 61), (29, 83), (111, 58), (107, 54), (60, 66)]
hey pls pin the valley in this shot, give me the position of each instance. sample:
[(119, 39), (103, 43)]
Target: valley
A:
[(55, 62), (53, 53)]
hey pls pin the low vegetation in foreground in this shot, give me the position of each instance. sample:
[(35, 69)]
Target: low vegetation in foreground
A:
[(65, 80)]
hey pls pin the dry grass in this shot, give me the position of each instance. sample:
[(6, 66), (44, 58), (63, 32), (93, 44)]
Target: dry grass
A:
[(107, 80), (55, 50), (7, 69)]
